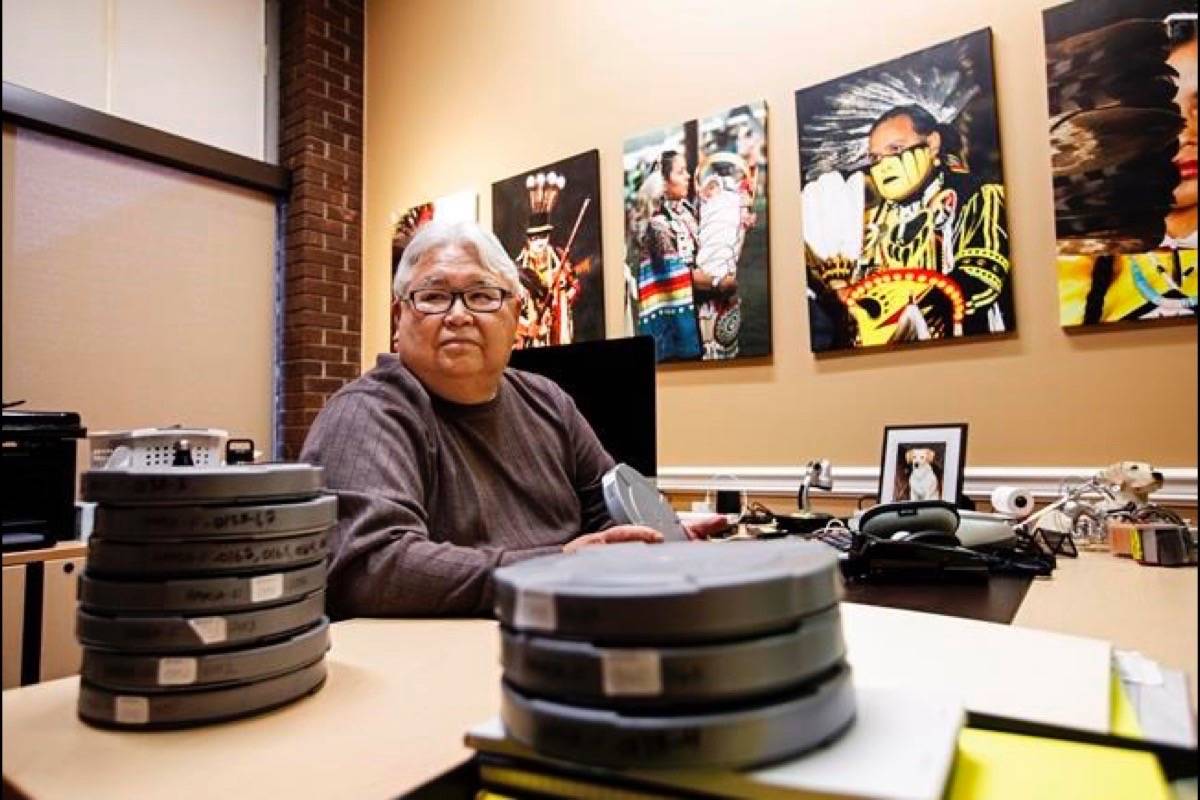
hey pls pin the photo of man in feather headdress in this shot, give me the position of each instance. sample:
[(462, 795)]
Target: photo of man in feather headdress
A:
[(905, 229), (548, 219), (1121, 76)]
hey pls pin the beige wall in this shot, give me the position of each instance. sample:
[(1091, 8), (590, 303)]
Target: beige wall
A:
[(135, 294), (468, 92), (195, 68)]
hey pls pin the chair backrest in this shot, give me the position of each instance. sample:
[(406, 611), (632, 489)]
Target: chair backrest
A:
[(613, 383)]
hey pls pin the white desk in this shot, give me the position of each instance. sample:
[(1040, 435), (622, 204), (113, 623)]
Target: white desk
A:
[(401, 694), (1149, 609)]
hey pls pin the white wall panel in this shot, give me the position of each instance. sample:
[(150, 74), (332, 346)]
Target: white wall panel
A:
[(192, 67), (58, 47)]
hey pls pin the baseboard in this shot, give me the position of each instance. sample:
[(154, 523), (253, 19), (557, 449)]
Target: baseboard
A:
[(1179, 484)]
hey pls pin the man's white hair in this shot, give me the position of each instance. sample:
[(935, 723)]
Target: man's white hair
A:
[(434, 235)]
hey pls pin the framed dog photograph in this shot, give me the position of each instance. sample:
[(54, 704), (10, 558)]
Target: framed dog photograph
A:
[(922, 462)]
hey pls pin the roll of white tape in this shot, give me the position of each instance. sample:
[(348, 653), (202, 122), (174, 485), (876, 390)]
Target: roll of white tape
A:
[(1012, 501)]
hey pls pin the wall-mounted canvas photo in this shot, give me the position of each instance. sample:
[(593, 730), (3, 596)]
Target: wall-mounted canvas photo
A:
[(1121, 78), (548, 219), (697, 264), (923, 462), (454, 207), (904, 219)]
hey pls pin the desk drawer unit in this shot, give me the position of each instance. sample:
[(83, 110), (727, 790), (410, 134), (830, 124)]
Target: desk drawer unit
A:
[(39, 620)]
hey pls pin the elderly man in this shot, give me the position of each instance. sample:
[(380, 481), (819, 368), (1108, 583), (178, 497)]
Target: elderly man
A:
[(447, 464)]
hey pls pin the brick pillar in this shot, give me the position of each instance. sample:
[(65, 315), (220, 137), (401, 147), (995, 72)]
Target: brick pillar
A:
[(321, 143)]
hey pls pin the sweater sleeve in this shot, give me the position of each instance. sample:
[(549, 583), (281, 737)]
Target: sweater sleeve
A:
[(383, 560)]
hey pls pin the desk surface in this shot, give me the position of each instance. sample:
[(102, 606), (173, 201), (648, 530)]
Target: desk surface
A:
[(399, 697), (994, 600), (1149, 609), (402, 692), (69, 549)]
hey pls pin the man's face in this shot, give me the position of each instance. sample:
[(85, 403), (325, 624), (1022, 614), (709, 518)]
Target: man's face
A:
[(538, 244), (901, 158), (1183, 59), (458, 345)]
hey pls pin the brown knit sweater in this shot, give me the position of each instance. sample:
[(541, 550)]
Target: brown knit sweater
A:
[(433, 495)]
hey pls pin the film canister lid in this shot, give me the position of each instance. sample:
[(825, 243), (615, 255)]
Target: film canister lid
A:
[(170, 485), (671, 592)]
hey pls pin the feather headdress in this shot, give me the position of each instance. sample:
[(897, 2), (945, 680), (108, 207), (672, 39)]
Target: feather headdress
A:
[(833, 225), (834, 137), (1113, 131)]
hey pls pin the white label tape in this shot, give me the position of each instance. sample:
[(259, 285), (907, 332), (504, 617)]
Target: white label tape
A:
[(131, 710), (210, 630), (1134, 667), (176, 671), (535, 609), (266, 587), (629, 672)]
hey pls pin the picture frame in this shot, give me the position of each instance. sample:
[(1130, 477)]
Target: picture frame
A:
[(548, 220), (697, 242), (893, 262), (923, 462), (1123, 232)]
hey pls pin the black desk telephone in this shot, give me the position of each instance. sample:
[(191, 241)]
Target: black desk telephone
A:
[(916, 541), (912, 541)]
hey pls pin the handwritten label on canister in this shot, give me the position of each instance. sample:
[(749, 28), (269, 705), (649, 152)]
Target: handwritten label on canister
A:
[(266, 587), (535, 610), (129, 710), (210, 630), (176, 671), (631, 672)]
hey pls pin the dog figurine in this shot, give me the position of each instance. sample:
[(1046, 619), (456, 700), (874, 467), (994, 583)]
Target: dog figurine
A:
[(1131, 482), (1124, 486), (922, 480)]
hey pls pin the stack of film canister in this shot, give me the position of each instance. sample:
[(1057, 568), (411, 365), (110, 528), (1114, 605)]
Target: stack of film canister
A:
[(681, 654), (203, 596)]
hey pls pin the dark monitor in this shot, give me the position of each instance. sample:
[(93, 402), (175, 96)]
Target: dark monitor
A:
[(612, 383)]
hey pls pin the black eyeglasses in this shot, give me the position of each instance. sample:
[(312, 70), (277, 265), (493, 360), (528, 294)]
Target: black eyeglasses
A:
[(1180, 26), (480, 299), (873, 159)]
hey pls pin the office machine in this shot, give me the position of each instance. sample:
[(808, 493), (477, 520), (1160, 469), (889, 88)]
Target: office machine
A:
[(39, 477)]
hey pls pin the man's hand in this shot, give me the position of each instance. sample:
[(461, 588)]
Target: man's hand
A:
[(704, 528), (617, 533)]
